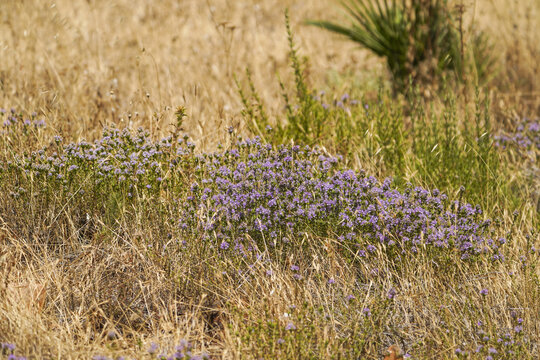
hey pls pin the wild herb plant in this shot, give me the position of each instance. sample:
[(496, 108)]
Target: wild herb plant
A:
[(315, 117), (252, 192), (253, 210), (104, 179), (449, 147), (254, 196), (19, 133), (308, 119), (525, 137), (451, 153)]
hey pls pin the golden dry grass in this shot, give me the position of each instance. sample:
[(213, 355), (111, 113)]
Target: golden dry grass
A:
[(106, 287), (86, 64)]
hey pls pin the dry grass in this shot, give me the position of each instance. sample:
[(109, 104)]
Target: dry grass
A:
[(516, 40), (86, 64), (118, 285)]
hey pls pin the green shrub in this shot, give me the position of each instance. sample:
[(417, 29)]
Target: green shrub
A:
[(421, 40), (442, 148)]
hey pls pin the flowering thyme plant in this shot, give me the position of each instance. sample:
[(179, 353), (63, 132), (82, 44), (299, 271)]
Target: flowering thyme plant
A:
[(271, 195), (254, 195), (525, 137)]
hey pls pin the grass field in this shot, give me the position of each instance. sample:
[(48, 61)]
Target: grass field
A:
[(218, 179)]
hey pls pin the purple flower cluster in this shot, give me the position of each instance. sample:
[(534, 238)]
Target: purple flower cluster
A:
[(121, 158), (11, 119), (526, 136), (271, 195), (9, 349), (344, 103), (254, 191), (505, 341)]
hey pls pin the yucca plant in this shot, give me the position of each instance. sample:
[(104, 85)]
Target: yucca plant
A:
[(418, 38)]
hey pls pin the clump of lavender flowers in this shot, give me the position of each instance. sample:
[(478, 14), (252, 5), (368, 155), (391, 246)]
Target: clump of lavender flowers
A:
[(119, 160), (13, 120), (9, 350), (266, 194), (509, 342), (272, 194), (344, 102), (525, 137)]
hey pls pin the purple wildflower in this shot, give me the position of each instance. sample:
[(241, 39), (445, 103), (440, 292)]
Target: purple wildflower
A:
[(366, 311), (290, 326), (153, 348)]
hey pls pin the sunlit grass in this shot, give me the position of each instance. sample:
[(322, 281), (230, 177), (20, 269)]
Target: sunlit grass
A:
[(151, 207)]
